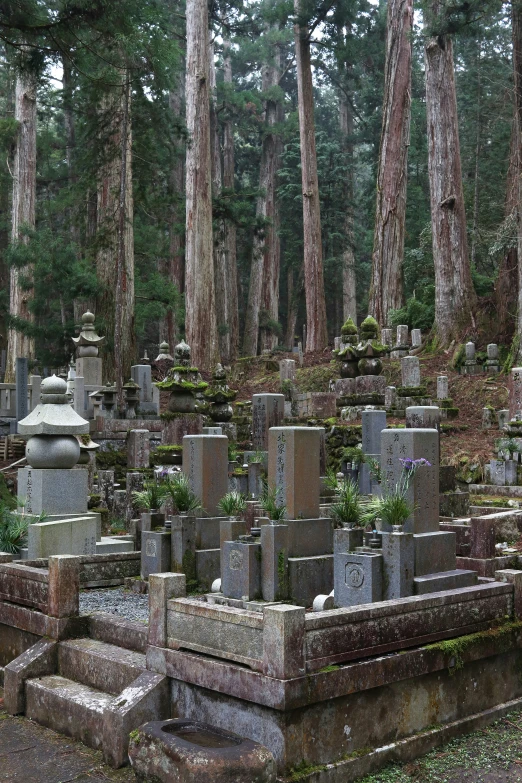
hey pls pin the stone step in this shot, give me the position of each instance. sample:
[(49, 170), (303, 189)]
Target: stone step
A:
[(116, 630), (445, 580), (99, 665), (68, 707)]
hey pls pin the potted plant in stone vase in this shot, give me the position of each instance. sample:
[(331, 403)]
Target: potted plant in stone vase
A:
[(269, 502), (183, 498), (347, 511), (393, 507), (149, 501), (232, 504)]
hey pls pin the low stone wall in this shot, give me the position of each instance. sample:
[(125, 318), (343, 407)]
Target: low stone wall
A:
[(101, 570)]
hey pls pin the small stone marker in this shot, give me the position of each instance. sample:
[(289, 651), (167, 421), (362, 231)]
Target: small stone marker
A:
[(515, 393), (402, 336), (503, 418), (205, 463), (155, 553), (492, 363), (268, 410), (88, 363), (241, 569), (138, 449), (398, 553), (287, 369), (423, 492), (390, 398), (387, 337), (294, 469), (410, 370), (423, 417), (442, 387), (357, 578), (142, 375), (488, 418), (416, 338)]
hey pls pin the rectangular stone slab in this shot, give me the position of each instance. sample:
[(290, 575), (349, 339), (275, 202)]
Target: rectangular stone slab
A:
[(53, 491)]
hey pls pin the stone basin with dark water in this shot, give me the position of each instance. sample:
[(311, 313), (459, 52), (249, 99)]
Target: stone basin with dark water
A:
[(201, 735), (190, 751)]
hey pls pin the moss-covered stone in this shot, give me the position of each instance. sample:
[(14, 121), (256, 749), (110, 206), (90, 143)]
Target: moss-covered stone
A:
[(412, 391), (348, 328)]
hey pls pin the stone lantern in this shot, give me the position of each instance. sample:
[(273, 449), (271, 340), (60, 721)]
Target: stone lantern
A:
[(220, 395), (183, 381), (88, 342), (132, 397), (49, 484)]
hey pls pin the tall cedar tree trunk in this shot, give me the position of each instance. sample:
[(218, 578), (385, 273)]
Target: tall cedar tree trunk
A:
[(173, 268), (316, 335), (517, 67), (5, 228), (294, 294), (229, 226), (23, 214), (115, 258), (386, 289), (200, 295), (263, 291), (506, 285), (220, 263), (454, 294), (349, 284)]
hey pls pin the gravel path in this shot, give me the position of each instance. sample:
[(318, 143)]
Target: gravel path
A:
[(131, 606)]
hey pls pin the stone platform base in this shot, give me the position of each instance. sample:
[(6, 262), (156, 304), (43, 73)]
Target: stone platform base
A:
[(491, 489)]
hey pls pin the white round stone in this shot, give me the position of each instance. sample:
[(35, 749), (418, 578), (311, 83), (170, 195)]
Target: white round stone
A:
[(53, 385), (323, 603), (52, 451), (216, 586)]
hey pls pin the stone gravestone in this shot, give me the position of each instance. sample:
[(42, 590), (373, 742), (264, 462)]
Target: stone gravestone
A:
[(373, 423), (79, 396), (423, 492), (503, 418), (492, 363), (22, 378), (410, 370), (416, 338), (423, 417), (294, 469), (402, 336), (138, 449), (142, 375), (268, 410), (287, 370), (357, 578), (387, 337), (515, 393), (390, 398), (205, 463), (88, 342), (470, 366), (442, 387)]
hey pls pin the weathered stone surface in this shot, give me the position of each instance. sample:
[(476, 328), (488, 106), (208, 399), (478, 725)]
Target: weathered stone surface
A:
[(373, 423), (174, 430), (274, 562), (442, 387), (410, 369), (205, 463), (345, 540), (398, 552), (53, 491), (99, 665), (294, 469), (183, 542), (515, 392), (482, 537), (423, 492), (423, 416), (446, 580), (138, 448), (284, 641), (241, 570), (69, 536), (434, 552), (118, 631), (64, 586), (268, 411), (155, 553), (357, 578), (38, 660), (308, 577), (287, 368), (165, 752)]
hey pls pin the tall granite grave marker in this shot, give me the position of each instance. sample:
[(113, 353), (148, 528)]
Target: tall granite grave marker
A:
[(268, 410), (294, 469), (205, 463)]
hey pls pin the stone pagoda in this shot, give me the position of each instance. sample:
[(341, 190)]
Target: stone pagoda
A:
[(183, 382), (219, 395), (361, 383), (88, 342)]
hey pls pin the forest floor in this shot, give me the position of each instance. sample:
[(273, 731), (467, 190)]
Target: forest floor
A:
[(470, 393)]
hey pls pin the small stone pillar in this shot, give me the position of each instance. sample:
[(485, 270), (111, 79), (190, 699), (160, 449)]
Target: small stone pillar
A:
[(268, 410), (294, 469), (410, 370), (503, 418), (390, 398), (492, 363), (398, 553), (138, 449), (416, 338), (357, 578), (470, 366), (205, 463), (515, 393), (387, 337), (141, 374), (274, 562), (287, 369), (442, 387), (423, 417), (183, 542), (155, 553), (488, 418), (241, 569), (284, 642)]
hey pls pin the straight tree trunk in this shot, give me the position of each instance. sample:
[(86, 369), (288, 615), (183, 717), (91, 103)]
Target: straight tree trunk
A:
[(173, 268), (517, 68), (115, 258), (506, 285), (200, 295), (22, 215), (263, 292), (294, 294), (220, 261), (454, 294), (349, 282), (229, 227), (386, 289), (316, 335)]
